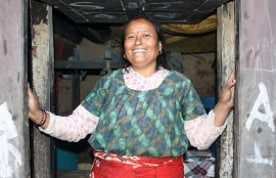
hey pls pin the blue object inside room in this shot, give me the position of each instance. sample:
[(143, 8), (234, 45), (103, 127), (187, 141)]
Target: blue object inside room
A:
[(208, 102), (66, 160)]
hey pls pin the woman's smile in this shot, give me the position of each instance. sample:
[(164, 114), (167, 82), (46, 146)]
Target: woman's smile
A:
[(142, 45)]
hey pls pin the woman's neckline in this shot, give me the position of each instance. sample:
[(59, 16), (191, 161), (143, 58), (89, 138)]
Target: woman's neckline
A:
[(135, 81)]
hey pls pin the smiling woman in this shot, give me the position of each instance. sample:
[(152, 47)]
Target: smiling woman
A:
[(142, 117)]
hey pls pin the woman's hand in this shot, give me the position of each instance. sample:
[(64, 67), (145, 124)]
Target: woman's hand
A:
[(35, 112), (228, 92), (226, 101)]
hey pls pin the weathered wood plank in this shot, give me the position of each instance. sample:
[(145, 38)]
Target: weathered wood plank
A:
[(43, 162), (225, 65), (255, 138)]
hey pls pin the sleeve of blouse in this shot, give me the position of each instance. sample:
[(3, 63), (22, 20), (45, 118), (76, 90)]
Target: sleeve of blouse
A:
[(72, 128), (202, 132), (191, 104)]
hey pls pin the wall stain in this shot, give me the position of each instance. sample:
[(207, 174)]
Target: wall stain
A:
[(5, 47), (259, 130)]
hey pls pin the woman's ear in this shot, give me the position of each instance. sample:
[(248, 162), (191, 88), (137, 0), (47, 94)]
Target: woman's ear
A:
[(160, 46)]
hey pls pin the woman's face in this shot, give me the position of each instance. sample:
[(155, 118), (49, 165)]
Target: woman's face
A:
[(141, 44)]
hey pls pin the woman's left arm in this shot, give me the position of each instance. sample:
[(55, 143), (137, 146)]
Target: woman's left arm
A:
[(225, 102), (204, 130)]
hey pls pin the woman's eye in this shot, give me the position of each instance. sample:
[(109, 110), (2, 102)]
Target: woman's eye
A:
[(130, 37), (146, 35)]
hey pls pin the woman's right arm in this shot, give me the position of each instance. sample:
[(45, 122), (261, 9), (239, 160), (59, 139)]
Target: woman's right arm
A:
[(71, 128)]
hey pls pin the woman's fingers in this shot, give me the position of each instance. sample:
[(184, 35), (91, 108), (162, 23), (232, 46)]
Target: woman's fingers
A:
[(33, 103), (231, 80), (229, 89)]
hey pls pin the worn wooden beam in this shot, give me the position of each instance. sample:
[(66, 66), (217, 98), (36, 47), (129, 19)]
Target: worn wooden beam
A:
[(43, 162), (14, 125), (225, 65)]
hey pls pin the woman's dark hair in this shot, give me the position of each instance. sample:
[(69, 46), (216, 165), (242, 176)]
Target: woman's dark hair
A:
[(162, 58)]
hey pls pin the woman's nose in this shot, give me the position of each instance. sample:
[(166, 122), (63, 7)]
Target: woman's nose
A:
[(138, 39)]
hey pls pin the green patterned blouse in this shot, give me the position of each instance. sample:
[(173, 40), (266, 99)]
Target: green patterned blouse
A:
[(142, 123)]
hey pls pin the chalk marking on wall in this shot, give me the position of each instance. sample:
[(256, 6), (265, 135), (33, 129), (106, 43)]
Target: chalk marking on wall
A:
[(265, 114), (10, 157), (258, 159)]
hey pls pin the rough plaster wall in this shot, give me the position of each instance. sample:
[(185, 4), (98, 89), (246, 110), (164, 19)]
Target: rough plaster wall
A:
[(200, 69), (14, 127)]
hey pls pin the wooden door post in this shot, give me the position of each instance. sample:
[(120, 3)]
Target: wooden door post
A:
[(225, 65), (42, 80)]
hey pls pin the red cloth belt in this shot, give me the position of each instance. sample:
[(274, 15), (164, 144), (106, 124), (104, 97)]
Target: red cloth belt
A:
[(145, 168)]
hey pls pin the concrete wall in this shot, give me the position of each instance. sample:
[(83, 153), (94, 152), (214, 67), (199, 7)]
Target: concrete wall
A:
[(255, 126), (14, 127)]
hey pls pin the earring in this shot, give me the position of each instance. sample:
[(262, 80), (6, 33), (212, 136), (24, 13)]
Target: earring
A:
[(160, 52)]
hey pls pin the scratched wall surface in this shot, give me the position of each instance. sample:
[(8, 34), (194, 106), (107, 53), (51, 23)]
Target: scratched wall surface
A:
[(257, 86), (13, 122)]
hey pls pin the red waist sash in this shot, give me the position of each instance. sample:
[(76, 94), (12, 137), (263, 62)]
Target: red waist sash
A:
[(107, 165)]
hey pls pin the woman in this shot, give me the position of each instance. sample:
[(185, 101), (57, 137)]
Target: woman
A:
[(143, 117)]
